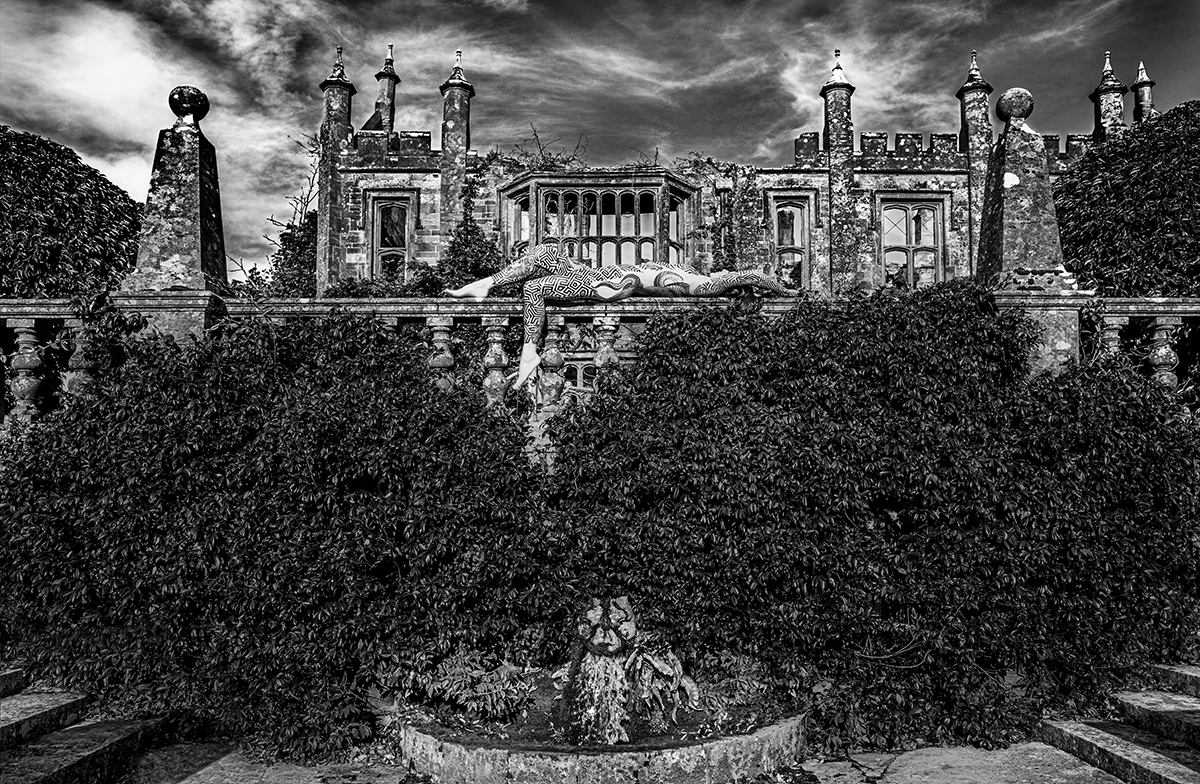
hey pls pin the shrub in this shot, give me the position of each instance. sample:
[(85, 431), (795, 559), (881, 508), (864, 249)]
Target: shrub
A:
[(876, 504), (248, 529), (1129, 211), (64, 228)]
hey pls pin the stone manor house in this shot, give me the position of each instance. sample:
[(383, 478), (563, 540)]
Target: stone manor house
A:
[(841, 216)]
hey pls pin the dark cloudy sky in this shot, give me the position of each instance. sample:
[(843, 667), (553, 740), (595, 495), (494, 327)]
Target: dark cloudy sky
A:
[(736, 80)]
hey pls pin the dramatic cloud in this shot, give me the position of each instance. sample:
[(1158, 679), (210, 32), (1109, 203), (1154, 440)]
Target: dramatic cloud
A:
[(735, 80)]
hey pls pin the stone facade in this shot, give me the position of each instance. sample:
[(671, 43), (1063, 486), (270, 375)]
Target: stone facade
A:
[(851, 212)]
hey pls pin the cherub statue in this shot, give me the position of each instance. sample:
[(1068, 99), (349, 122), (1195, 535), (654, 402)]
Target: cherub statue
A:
[(549, 275)]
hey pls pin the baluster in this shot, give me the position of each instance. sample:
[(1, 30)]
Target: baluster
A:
[(495, 361), (80, 378), (27, 363), (1163, 358), (442, 361), (1110, 333), (606, 337), (550, 385)]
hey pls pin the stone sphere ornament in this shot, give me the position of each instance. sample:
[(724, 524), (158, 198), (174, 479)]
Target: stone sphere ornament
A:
[(188, 101), (1015, 104)]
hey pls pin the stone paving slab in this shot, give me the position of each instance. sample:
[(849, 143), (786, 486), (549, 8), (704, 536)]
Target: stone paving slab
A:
[(11, 681), (92, 752), (30, 714), (1022, 763), (1183, 678), (1171, 715), (1025, 763)]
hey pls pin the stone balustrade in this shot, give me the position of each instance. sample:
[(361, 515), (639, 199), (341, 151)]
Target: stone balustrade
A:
[(1153, 326), (43, 348)]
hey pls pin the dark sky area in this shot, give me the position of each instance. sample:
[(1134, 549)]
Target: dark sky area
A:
[(735, 80)]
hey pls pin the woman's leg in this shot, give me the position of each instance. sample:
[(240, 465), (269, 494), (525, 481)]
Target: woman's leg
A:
[(719, 284), (543, 260)]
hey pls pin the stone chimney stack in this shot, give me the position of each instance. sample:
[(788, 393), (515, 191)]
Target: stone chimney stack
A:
[(1109, 100), (1143, 101), (385, 104), (457, 93), (975, 139), (845, 273), (332, 137)]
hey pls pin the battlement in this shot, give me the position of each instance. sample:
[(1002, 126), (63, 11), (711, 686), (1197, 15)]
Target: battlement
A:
[(1060, 158), (405, 149), (908, 152)]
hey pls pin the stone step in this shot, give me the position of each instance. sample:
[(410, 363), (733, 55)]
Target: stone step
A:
[(11, 681), (1129, 753), (1168, 714), (27, 715), (1183, 678), (94, 753)]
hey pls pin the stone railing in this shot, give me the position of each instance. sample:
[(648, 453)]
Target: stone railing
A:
[(41, 344), (47, 357), (1153, 326)]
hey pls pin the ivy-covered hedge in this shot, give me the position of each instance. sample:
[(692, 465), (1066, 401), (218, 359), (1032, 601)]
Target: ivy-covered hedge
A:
[(1129, 211), (869, 505), (248, 529), (64, 228), (877, 502)]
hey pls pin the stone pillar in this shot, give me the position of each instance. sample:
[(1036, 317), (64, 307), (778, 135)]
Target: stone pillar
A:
[(333, 136), (442, 361), (1163, 359), (1143, 101), (457, 93), (551, 383), (182, 244), (1109, 101), (606, 338), (846, 270), (975, 139), (181, 252), (27, 366), (1020, 251), (1110, 333), (80, 378), (495, 361)]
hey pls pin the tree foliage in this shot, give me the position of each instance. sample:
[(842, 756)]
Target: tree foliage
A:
[(250, 528), (874, 501), (1129, 211), (64, 228)]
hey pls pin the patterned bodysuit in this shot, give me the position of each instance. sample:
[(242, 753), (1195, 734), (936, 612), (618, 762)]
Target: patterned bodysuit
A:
[(549, 274)]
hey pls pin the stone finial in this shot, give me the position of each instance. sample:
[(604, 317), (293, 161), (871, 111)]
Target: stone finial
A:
[(1020, 247), (1015, 105), (1109, 83), (974, 80), (189, 104), (457, 77), (182, 244), (1143, 103), (388, 70), (337, 77), (837, 78), (1143, 77)]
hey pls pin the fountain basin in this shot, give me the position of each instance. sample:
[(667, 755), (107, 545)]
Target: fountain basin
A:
[(713, 761)]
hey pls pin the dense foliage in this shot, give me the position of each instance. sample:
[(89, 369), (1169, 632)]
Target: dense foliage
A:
[(64, 228), (251, 528), (875, 502), (866, 506), (1129, 210)]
